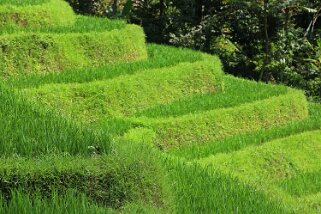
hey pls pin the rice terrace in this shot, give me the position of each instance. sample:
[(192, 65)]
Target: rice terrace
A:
[(93, 119)]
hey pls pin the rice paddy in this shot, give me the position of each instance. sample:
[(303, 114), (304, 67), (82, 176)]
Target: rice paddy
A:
[(162, 131)]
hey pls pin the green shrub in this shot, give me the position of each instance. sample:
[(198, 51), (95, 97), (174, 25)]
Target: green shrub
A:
[(52, 13), (40, 53), (221, 123), (126, 95)]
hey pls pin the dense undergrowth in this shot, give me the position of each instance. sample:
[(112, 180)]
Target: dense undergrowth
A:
[(145, 128)]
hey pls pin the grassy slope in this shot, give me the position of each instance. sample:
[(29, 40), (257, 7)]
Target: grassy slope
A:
[(313, 122), (26, 15), (231, 97), (292, 160), (214, 190), (71, 202), (114, 180), (25, 53), (82, 24), (128, 94), (27, 129), (187, 198), (23, 2), (158, 57)]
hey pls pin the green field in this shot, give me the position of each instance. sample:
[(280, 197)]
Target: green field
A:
[(93, 120)]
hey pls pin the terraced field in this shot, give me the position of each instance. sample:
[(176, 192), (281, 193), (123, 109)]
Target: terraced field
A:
[(92, 117)]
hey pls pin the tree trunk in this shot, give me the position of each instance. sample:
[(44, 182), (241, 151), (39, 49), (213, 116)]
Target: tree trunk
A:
[(199, 10), (115, 7), (267, 40)]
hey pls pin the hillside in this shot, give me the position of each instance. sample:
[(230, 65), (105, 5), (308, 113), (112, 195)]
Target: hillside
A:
[(93, 117)]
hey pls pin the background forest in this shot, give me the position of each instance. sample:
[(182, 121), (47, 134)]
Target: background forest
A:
[(267, 40)]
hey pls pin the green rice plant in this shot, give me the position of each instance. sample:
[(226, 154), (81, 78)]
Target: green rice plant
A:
[(37, 14), (273, 161), (112, 180), (23, 2), (159, 56), (70, 202), (205, 190), (281, 168), (221, 123), (82, 24), (303, 184), (28, 130), (41, 53), (128, 94), (236, 92), (235, 143)]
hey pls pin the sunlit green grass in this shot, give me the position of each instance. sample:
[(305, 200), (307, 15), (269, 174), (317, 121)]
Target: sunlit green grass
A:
[(128, 94), (70, 202), (83, 24), (111, 180), (231, 96), (294, 161), (313, 122), (158, 57), (23, 2), (28, 129)]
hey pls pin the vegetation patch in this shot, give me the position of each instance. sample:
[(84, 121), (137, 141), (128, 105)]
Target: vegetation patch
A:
[(23, 2), (275, 166), (82, 24), (230, 97), (128, 94), (26, 129), (37, 14), (159, 56), (40, 53), (109, 180), (201, 190), (20, 202), (241, 141), (222, 123)]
